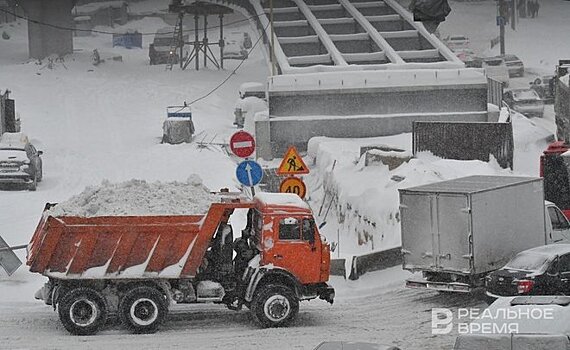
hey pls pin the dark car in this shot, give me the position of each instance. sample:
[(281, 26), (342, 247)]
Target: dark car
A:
[(514, 65), (20, 162), (525, 101), (542, 270), (165, 47), (544, 86)]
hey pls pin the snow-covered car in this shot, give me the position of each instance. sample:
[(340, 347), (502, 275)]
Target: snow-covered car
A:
[(542, 270), (243, 38), (235, 50), (525, 101), (544, 86), (20, 162), (456, 42), (520, 323), (347, 345), (514, 65), (495, 68)]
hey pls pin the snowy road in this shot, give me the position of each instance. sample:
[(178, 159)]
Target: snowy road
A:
[(366, 310), (104, 122)]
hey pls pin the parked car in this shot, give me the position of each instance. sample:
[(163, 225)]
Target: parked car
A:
[(346, 345), (20, 162), (165, 47), (523, 331), (514, 65), (235, 50), (525, 101), (243, 38), (496, 68), (544, 86), (456, 42), (543, 270), (464, 54)]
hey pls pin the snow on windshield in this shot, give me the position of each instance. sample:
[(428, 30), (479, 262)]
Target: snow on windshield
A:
[(527, 261)]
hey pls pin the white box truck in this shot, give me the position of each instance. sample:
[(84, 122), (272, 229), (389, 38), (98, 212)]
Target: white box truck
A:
[(455, 232)]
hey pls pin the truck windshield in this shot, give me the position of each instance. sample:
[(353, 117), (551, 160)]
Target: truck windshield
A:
[(527, 261)]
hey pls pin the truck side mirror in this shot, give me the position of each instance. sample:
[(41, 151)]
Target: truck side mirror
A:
[(311, 237)]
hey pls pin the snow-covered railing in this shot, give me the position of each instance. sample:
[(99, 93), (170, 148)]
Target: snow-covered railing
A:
[(325, 39), (377, 79), (378, 39), (432, 39)]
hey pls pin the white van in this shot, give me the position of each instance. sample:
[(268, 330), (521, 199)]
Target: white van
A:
[(496, 68)]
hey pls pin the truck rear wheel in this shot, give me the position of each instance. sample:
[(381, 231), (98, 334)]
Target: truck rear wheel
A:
[(82, 311), (143, 309), (274, 306)]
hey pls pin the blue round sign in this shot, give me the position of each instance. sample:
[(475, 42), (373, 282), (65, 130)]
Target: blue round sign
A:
[(249, 173)]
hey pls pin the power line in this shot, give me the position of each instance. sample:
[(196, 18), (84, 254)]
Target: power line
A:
[(231, 74), (111, 33)]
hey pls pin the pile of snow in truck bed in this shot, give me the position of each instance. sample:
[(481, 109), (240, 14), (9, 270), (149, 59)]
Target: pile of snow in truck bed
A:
[(138, 197)]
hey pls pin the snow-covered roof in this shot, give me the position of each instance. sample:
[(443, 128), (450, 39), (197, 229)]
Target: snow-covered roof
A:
[(287, 199), (551, 249), (377, 79), (472, 184), (13, 139)]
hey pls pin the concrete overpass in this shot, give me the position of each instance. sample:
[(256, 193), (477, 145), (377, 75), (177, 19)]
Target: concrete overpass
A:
[(355, 68)]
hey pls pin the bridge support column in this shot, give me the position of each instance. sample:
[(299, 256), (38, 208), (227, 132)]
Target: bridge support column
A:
[(44, 38)]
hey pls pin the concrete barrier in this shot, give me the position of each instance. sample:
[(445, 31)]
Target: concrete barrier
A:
[(366, 263)]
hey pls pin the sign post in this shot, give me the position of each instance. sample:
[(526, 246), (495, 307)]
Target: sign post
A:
[(242, 144), (291, 165), (248, 172)]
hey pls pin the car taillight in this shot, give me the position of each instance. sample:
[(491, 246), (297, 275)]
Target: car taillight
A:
[(524, 286)]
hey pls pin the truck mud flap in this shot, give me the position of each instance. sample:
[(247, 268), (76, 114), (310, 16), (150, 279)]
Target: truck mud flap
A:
[(439, 286)]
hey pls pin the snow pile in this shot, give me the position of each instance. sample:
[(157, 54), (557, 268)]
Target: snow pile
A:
[(138, 197)]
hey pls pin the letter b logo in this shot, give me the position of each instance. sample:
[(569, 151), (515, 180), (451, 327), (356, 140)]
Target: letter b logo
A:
[(441, 321)]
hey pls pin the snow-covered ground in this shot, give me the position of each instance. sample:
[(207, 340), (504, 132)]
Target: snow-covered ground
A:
[(104, 122)]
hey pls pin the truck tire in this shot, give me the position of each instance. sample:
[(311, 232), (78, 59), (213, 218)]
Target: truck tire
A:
[(274, 306), (143, 309), (82, 311)]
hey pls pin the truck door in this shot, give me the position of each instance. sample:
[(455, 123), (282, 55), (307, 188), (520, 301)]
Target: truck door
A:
[(559, 223), (417, 231), (453, 230), (296, 249)]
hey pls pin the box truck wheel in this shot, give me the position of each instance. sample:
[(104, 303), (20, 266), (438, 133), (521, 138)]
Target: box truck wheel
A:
[(142, 309), (274, 306), (82, 311)]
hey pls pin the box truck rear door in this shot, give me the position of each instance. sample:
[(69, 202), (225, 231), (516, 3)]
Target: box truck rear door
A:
[(453, 229)]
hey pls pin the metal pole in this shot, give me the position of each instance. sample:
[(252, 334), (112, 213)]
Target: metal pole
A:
[(502, 25), (205, 40), (181, 37), (196, 41), (16, 247), (272, 37), (222, 41)]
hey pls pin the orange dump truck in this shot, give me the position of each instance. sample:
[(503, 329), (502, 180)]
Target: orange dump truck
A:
[(138, 266)]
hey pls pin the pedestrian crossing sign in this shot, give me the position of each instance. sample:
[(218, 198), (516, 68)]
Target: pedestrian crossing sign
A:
[(292, 163)]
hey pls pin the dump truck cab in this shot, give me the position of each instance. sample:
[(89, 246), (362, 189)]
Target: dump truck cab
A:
[(139, 266)]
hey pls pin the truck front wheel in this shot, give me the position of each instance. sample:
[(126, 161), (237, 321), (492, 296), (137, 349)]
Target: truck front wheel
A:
[(143, 309), (82, 311), (275, 306)]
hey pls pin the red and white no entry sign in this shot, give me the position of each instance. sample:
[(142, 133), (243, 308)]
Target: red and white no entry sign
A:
[(242, 144)]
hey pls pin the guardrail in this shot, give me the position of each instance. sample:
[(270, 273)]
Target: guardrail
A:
[(362, 264)]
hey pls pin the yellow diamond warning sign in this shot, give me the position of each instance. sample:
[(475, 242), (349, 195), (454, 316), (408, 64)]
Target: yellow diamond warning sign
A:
[(292, 163)]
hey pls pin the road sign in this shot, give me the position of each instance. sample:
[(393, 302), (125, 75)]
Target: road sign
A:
[(292, 163), (293, 185), (242, 144), (249, 173)]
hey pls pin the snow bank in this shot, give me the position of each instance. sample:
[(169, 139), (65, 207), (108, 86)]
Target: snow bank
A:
[(138, 197)]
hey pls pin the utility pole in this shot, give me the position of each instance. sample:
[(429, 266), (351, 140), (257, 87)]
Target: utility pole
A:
[(272, 37), (501, 15)]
